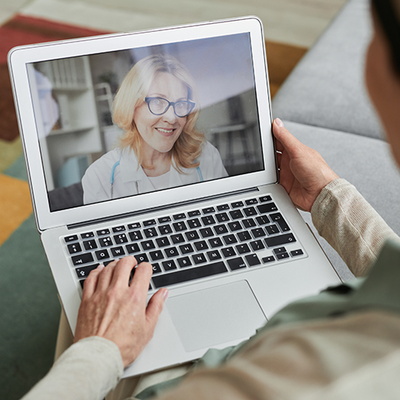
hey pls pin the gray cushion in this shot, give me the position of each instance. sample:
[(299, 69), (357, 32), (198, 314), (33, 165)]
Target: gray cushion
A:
[(366, 163), (327, 87)]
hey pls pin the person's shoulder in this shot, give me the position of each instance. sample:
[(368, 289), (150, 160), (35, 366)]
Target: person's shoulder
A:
[(209, 150)]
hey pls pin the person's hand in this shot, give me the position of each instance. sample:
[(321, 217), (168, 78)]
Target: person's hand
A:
[(112, 309), (303, 172)]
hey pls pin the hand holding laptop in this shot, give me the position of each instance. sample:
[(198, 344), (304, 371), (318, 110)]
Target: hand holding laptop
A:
[(303, 172), (114, 310)]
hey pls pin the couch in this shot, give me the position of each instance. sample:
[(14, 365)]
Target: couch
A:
[(324, 103)]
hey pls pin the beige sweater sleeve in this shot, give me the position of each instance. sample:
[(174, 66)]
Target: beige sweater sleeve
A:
[(350, 225)]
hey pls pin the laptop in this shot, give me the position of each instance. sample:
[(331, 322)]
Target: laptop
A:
[(220, 232)]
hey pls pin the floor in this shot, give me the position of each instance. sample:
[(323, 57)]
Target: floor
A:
[(295, 22)]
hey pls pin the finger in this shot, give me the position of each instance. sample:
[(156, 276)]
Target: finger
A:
[(123, 269), (105, 277), (286, 141), (141, 280), (90, 284), (155, 306)]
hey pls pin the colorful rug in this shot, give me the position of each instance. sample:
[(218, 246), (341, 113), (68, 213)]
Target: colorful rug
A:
[(29, 306)]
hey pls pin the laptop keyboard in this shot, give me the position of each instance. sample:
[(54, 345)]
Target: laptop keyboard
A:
[(192, 245)]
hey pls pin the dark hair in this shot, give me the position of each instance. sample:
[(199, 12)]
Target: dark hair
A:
[(390, 23)]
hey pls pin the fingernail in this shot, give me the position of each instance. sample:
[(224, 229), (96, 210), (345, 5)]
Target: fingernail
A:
[(165, 294), (279, 122), (100, 266)]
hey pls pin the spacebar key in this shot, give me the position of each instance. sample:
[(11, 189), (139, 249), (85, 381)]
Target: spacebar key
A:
[(189, 274)]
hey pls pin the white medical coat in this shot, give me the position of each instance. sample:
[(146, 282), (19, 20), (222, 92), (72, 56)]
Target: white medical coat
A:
[(128, 178)]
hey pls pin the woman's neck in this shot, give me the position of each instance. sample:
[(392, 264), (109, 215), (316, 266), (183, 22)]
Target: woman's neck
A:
[(156, 163)]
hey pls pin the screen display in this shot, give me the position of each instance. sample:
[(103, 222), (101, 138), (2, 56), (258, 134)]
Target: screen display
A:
[(125, 123)]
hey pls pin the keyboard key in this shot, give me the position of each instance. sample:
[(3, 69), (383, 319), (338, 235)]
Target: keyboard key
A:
[(206, 232), (200, 246), (164, 220), (117, 252), (118, 229), (272, 230), (237, 204), (189, 274), (229, 239), (135, 235), (220, 229), (208, 220), (156, 268), (279, 250), (141, 258), (268, 259), (213, 255), (135, 225), (194, 213), (165, 229), (169, 265), (280, 240), (121, 238), (252, 260), (150, 232), (162, 242), (149, 222), (83, 272), (179, 226), (259, 232), (236, 214), (194, 223), (192, 235), (267, 208), (262, 220), (278, 218), (242, 248), (228, 252), (71, 238), (257, 245), (236, 263), (208, 210), (250, 211), (179, 216), (223, 207), (103, 232), (171, 252), (296, 253), (251, 202), (90, 244), (105, 241), (234, 226), (249, 223), (156, 255), (266, 198), (74, 248), (243, 236), (282, 256), (184, 262), (82, 259), (148, 245), (102, 255), (223, 217), (215, 242), (132, 248), (199, 259), (186, 248), (178, 238), (87, 235)]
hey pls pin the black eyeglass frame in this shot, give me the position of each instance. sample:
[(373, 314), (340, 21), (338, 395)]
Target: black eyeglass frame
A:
[(170, 103)]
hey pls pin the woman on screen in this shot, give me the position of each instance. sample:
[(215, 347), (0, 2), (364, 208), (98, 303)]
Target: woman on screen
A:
[(157, 107)]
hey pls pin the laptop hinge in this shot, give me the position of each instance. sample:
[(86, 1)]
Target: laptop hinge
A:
[(160, 208)]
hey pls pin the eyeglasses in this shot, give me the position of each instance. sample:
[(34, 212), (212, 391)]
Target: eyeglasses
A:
[(159, 106)]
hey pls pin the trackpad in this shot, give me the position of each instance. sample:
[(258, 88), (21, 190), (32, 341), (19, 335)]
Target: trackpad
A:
[(215, 316)]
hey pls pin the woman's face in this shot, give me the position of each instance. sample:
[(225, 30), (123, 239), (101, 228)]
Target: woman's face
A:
[(383, 85), (160, 132)]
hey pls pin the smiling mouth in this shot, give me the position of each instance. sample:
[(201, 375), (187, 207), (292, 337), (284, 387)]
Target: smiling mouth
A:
[(165, 132)]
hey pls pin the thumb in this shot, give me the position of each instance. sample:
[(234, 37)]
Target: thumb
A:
[(155, 306), (286, 141)]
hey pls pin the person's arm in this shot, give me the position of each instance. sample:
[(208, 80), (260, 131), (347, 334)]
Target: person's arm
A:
[(340, 214), (115, 323)]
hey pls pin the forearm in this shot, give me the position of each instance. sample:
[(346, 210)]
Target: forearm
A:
[(88, 370), (350, 225)]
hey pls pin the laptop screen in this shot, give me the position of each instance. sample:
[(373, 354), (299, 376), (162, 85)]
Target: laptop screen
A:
[(145, 119)]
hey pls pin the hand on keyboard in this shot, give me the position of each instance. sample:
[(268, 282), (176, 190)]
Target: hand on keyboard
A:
[(115, 310)]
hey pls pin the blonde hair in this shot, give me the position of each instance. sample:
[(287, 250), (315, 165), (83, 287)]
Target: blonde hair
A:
[(131, 94)]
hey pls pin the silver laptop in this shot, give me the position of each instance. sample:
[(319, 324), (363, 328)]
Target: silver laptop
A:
[(158, 144)]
